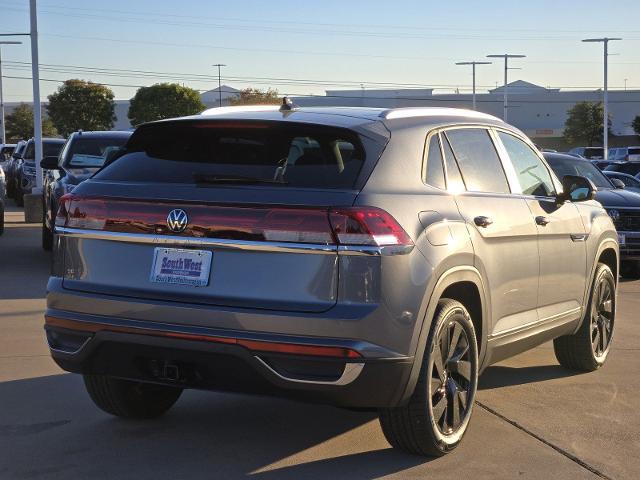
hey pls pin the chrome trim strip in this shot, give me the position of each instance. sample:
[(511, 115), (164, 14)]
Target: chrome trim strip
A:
[(65, 352), (522, 328), (150, 239), (279, 247), (349, 374)]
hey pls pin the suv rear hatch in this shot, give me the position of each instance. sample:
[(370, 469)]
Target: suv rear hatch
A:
[(230, 213)]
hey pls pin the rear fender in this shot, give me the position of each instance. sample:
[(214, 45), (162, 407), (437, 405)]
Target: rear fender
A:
[(448, 278)]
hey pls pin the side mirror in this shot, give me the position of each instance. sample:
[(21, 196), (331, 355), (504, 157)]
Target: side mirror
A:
[(17, 156), (619, 184), (576, 189), (50, 163)]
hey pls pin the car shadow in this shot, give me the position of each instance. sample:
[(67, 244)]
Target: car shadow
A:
[(49, 428), (499, 376)]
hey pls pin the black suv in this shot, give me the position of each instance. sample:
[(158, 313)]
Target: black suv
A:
[(622, 205), (82, 156)]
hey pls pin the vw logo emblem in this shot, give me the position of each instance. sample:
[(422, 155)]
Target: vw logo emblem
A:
[(615, 215), (177, 220)]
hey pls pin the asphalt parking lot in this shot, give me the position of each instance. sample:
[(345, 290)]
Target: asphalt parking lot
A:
[(533, 419)]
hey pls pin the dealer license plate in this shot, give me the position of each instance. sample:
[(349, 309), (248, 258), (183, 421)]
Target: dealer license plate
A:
[(181, 267)]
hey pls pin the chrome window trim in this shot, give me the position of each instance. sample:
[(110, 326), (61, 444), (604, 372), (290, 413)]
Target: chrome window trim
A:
[(277, 247)]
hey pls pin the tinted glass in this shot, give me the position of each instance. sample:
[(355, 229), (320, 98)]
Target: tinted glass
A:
[(49, 149), (593, 152), (90, 152), (628, 180), (478, 160), (574, 166), (634, 151), (454, 179), (290, 154), (5, 153), (532, 174), (630, 168), (435, 171)]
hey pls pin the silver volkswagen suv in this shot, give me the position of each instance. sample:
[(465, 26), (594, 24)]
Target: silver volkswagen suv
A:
[(365, 258)]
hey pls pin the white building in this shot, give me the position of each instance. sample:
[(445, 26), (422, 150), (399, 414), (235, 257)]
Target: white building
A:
[(538, 111)]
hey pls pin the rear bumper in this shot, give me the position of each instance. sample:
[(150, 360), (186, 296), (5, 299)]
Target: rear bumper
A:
[(321, 371)]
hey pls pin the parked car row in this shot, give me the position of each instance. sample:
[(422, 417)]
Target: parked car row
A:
[(367, 258), (83, 154)]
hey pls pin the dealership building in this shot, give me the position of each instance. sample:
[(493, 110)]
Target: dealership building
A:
[(538, 111)]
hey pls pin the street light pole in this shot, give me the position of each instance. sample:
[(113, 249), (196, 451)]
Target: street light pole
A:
[(37, 109), (506, 57), (3, 132), (605, 99), (473, 70), (219, 65)]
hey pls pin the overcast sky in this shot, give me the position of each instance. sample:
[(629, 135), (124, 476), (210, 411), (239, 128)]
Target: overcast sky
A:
[(306, 47)]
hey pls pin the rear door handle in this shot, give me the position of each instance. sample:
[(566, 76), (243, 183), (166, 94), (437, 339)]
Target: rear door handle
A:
[(482, 221), (542, 220)]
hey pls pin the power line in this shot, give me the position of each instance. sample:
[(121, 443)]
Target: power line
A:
[(431, 98), (308, 31), (135, 73)]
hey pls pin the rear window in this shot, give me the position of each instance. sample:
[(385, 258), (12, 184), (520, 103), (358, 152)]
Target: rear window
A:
[(295, 155), (634, 151), (90, 152), (595, 153), (49, 149)]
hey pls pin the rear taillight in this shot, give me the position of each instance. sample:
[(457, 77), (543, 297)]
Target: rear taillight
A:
[(349, 226), (367, 226)]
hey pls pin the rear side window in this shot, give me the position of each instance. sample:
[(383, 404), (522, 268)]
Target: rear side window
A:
[(634, 151), (478, 160), (435, 171), (287, 154)]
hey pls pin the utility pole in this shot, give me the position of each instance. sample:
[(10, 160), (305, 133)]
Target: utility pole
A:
[(473, 70), (506, 57), (3, 132), (219, 65), (605, 120)]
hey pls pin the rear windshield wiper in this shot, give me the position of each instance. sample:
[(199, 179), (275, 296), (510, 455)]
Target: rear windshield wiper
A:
[(201, 178)]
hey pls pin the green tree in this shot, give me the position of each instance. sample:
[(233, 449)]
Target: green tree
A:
[(81, 105), (584, 123), (163, 100), (20, 124), (636, 125), (255, 96)]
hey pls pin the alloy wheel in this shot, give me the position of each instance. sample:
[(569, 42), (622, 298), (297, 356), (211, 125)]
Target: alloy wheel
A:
[(602, 317), (451, 369)]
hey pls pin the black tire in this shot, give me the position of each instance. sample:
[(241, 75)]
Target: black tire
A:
[(418, 427), (129, 399), (630, 269), (588, 348), (47, 237), (1, 217)]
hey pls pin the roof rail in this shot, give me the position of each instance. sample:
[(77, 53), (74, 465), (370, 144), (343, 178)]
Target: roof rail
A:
[(411, 112), (241, 108)]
